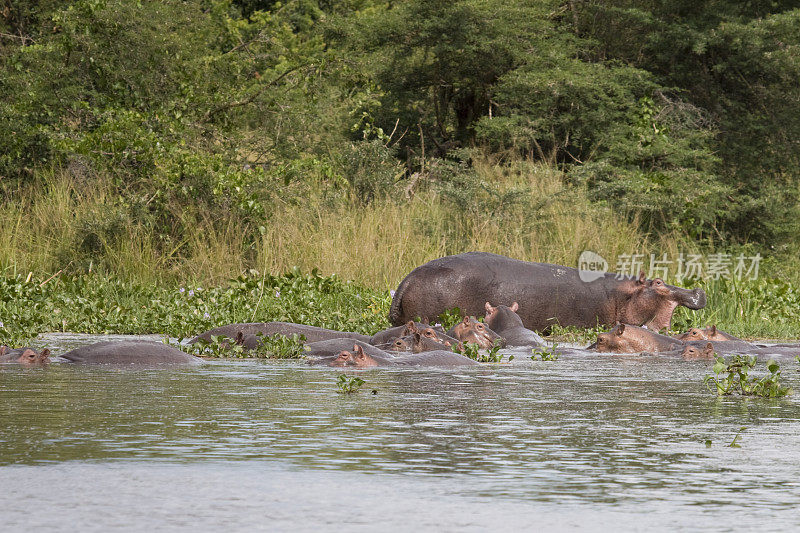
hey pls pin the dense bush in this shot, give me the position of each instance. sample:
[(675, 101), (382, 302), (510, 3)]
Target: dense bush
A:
[(681, 116)]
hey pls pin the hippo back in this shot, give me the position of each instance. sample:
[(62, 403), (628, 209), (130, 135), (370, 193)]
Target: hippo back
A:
[(141, 353), (311, 333)]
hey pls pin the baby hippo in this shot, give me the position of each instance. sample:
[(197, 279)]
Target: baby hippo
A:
[(710, 333), (625, 338), (471, 330), (692, 352), (438, 358), (24, 356)]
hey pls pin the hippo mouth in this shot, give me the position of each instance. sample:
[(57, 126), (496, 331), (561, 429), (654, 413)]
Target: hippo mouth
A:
[(693, 299)]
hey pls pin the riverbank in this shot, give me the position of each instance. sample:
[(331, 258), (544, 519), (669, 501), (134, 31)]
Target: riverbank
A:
[(96, 303)]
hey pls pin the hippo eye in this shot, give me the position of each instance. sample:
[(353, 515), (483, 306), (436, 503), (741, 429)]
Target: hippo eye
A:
[(479, 326), (658, 282)]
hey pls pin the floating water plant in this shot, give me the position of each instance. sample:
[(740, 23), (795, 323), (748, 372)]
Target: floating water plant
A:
[(544, 353), (472, 350), (350, 384), (733, 377)]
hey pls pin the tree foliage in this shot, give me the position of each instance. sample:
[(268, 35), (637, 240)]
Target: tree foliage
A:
[(682, 115)]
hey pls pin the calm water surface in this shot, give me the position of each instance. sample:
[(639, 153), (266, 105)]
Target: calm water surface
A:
[(593, 442)]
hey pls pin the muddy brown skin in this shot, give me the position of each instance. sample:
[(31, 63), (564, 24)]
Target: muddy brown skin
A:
[(439, 358), (692, 353), (311, 333), (331, 347), (24, 356), (548, 294), (710, 333), (125, 353), (625, 338), (505, 321), (472, 330), (419, 343), (432, 332)]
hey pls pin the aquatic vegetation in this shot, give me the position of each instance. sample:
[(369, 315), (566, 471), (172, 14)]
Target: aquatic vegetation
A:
[(545, 354), (450, 318), (350, 384), (735, 442), (473, 351), (95, 304), (733, 376), (269, 347), (574, 334)]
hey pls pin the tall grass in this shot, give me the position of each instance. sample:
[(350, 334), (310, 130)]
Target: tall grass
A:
[(45, 227)]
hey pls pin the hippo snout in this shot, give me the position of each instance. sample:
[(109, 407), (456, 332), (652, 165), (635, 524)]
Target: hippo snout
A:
[(694, 299)]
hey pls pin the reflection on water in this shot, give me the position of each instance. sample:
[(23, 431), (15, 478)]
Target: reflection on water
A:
[(581, 439)]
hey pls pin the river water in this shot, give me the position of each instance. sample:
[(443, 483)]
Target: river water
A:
[(595, 443)]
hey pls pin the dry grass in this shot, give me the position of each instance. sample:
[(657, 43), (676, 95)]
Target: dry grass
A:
[(375, 244)]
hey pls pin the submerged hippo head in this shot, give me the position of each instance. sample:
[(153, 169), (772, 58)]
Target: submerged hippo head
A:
[(24, 356), (625, 338), (692, 334), (471, 330), (343, 358), (398, 344), (502, 317), (691, 352), (356, 358), (710, 333), (652, 302)]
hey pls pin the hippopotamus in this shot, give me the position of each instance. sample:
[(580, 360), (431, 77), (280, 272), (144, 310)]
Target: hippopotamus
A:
[(710, 333), (332, 347), (690, 352), (136, 352), (436, 333), (472, 330), (693, 352), (311, 333), (625, 338), (24, 356), (416, 343), (505, 321), (438, 358), (548, 294)]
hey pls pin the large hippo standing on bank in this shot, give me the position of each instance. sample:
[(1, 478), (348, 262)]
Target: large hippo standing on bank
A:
[(547, 294)]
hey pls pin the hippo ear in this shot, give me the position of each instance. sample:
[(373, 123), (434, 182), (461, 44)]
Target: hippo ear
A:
[(489, 308), (417, 336), (515, 307), (642, 278), (3, 350), (46, 352), (357, 349), (620, 329), (713, 329), (466, 320)]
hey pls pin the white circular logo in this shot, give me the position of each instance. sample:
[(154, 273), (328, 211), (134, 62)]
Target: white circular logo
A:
[(591, 266)]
